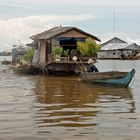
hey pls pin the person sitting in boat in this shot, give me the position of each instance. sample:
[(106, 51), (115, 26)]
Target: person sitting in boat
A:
[(91, 67)]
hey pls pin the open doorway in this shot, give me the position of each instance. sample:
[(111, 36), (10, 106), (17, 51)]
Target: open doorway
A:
[(70, 45)]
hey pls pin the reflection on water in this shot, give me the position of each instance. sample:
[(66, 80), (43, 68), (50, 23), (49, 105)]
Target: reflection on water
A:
[(68, 107), (64, 108)]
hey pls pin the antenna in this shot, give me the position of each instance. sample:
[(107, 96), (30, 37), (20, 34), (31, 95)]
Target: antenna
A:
[(114, 20)]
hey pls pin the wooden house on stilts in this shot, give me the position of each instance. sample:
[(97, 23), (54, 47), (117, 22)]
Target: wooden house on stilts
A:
[(59, 37)]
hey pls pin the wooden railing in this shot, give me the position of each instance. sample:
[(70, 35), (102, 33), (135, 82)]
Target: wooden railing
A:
[(51, 58), (54, 58), (64, 59)]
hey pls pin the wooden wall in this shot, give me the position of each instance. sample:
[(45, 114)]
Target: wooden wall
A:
[(43, 44), (73, 33), (42, 51)]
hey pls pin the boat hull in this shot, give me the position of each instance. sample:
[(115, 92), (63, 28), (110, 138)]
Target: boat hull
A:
[(25, 70), (122, 79)]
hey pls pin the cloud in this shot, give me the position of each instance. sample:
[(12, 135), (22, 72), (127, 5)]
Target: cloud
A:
[(73, 2), (18, 30)]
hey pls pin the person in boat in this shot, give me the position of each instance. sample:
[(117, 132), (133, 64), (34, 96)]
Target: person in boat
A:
[(91, 67)]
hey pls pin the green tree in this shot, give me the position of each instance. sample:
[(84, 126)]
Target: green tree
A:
[(88, 48), (29, 55), (58, 50)]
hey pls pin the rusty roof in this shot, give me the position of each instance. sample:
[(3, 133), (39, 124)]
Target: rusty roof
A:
[(53, 32)]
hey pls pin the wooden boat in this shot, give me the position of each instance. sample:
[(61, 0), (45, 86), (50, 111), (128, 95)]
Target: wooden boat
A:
[(110, 78)]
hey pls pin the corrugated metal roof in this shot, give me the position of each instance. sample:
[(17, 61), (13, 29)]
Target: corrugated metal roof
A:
[(118, 46), (134, 46), (113, 46), (113, 40), (57, 31)]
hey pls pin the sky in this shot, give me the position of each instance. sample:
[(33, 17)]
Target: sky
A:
[(20, 19)]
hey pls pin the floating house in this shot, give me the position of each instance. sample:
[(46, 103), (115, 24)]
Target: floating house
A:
[(56, 48), (118, 49)]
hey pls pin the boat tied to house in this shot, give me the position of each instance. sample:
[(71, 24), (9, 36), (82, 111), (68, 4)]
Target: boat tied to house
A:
[(115, 78)]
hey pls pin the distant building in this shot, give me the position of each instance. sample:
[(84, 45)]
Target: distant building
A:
[(18, 53), (118, 49), (6, 52)]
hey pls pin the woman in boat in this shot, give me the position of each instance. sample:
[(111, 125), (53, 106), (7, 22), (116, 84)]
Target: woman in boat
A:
[(91, 67)]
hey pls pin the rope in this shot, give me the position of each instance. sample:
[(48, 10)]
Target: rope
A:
[(83, 67)]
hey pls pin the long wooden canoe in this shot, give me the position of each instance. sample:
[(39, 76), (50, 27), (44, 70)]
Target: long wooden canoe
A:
[(110, 78)]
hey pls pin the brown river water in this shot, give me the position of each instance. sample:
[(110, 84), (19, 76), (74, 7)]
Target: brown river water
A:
[(64, 108)]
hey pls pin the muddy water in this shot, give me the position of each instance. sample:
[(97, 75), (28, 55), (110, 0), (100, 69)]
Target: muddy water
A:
[(55, 108)]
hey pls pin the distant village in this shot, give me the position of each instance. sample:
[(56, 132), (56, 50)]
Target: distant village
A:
[(55, 48), (115, 48), (5, 53)]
